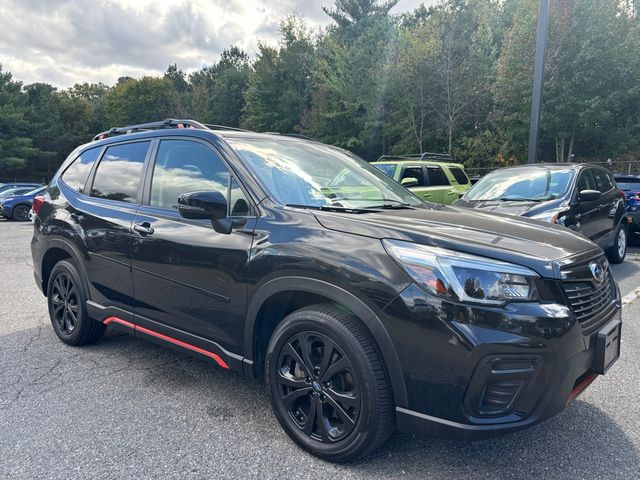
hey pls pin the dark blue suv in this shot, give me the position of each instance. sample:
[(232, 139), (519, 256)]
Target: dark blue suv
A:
[(630, 185)]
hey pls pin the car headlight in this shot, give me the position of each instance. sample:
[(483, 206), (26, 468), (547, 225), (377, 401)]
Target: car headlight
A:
[(463, 277), (552, 216)]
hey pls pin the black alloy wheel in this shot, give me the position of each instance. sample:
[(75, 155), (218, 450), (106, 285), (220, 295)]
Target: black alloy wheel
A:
[(328, 385), (21, 213), (66, 298), (318, 387)]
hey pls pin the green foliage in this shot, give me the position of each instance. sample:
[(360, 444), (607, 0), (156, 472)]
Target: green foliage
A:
[(278, 92), (456, 77)]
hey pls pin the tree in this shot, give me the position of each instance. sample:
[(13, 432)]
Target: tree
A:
[(16, 147), (278, 92), (138, 101), (218, 90), (350, 12)]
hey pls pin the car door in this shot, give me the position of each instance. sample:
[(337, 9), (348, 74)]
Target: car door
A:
[(188, 277), (105, 214), (588, 212), (440, 188), (609, 201), (417, 172)]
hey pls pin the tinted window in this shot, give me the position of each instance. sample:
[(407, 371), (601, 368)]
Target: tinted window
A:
[(414, 172), (436, 176), (76, 174), (603, 180), (119, 172), (586, 181), (387, 168), (238, 206), (181, 167), (459, 175)]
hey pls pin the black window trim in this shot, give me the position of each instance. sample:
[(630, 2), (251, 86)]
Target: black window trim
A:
[(92, 175), (147, 174)]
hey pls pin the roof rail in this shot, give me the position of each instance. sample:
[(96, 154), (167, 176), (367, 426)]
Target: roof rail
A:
[(293, 135), (212, 126), (167, 123), (438, 157)]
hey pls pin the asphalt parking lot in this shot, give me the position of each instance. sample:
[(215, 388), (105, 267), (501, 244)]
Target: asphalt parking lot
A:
[(124, 408)]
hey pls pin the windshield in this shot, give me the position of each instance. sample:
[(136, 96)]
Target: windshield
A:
[(522, 184), (387, 168), (301, 173)]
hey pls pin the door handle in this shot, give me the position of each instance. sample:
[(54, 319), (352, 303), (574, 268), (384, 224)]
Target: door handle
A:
[(144, 228), (452, 193), (426, 195)]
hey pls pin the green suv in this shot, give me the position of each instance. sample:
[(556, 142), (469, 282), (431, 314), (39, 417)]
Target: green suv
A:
[(429, 176)]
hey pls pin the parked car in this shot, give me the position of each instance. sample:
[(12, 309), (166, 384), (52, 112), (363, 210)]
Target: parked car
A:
[(17, 207), (630, 185), (10, 186), (362, 313), (433, 181), (581, 197)]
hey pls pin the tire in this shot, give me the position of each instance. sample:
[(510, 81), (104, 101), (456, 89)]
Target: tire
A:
[(349, 387), (20, 213), (618, 250), (67, 308)]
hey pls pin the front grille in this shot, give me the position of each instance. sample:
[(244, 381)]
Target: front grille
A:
[(592, 302)]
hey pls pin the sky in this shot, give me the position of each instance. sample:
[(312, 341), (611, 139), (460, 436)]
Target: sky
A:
[(64, 42)]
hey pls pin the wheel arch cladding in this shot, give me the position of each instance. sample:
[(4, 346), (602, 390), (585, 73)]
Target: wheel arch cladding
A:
[(279, 297), (56, 251)]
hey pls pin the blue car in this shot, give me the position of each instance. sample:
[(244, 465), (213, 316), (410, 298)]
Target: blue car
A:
[(630, 185), (17, 207)]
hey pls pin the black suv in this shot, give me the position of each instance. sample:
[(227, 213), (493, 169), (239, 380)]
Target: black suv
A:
[(365, 309), (581, 197)]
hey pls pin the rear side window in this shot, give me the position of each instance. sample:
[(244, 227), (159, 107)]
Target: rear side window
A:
[(76, 174), (603, 180), (119, 172), (414, 172), (459, 175), (436, 177)]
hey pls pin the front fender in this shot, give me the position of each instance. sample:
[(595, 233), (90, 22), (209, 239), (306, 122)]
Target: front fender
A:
[(343, 297)]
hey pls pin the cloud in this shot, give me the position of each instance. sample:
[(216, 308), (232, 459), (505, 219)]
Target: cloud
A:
[(64, 42)]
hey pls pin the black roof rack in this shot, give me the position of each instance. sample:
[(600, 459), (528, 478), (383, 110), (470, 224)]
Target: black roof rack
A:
[(212, 126), (437, 157), (167, 123)]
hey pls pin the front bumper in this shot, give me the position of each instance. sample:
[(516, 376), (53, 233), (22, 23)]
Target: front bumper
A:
[(475, 372)]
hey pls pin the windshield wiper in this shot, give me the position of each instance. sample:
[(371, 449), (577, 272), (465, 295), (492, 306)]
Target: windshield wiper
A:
[(332, 208), (511, 199), (391, 204)]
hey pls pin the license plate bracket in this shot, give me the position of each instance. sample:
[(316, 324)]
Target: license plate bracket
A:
[(607, 346)]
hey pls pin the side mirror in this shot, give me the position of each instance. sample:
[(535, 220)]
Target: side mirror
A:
[(206, 206), (409, 182), (589, 196)]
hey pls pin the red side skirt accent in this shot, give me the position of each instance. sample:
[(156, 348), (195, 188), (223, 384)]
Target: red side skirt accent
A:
[(578, 389), (166, 338)]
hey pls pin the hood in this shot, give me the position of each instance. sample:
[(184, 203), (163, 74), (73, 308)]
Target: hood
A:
[(534, 244), (526, 209)]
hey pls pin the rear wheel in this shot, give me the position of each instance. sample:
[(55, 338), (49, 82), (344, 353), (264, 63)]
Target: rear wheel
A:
[(20, 213), (66, 299), (327, 384), (618, 250)]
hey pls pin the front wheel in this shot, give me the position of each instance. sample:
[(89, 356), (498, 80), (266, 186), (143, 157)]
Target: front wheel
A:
[(618, 250), (328, 385)]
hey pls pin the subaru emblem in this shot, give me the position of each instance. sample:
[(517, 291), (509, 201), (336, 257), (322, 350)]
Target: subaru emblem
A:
[(597, 271)]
